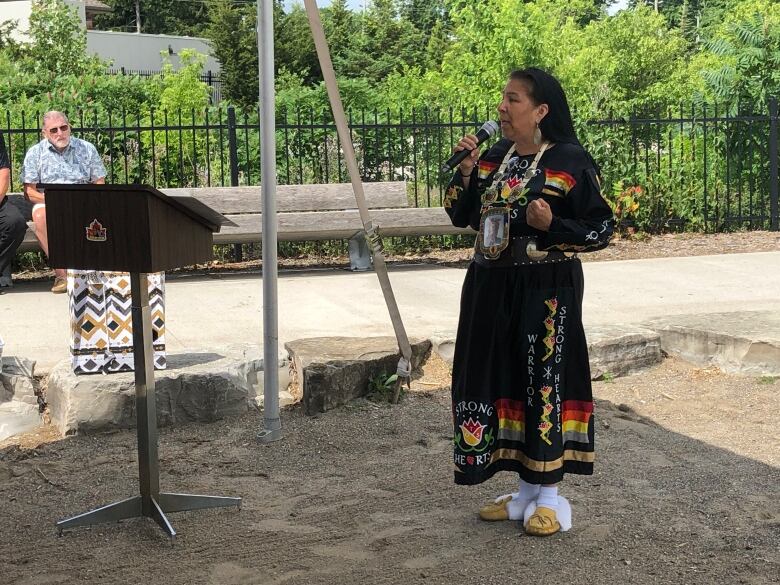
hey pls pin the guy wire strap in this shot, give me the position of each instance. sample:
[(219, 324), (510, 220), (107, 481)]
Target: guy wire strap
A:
[(373, 238)]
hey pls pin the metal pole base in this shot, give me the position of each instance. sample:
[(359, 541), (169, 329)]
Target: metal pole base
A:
[(359, 256), (269, 436), (129, 508), (133, 508)]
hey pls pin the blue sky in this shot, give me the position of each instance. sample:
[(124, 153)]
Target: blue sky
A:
[(359, 4)]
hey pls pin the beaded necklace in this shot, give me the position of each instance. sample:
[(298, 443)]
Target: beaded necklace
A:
[(493, 236)]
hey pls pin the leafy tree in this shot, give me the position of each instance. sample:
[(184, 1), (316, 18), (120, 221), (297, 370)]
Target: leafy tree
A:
[(385, 43), (59, 45), (437, 45), (8, 44), (689, 23), (495, 36), (696, 14), (424, 15), (183, 89), (368, 46), (744, 56), (171, 17), (232, 31), (585, 11), (342, 27), (234, 41), (629, 61), (294, 45)]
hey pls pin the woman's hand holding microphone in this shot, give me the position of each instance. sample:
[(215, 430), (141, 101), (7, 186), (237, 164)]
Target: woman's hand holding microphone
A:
[(468, 142)]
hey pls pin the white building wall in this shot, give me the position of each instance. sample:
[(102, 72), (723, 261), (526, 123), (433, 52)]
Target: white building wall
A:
[(135, 51), (132, 51), (20, 12)]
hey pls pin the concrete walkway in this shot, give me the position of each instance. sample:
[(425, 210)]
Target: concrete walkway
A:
[(211, 312)]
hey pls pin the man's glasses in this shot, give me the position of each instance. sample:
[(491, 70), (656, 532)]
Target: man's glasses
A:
[(55, 130)]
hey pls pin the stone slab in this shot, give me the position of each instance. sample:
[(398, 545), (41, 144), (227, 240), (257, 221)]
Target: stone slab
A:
[(18, 402), (198, 385), (444, 345), (17, 417), (743, 342), (334, 370), (16, 380), (618, 350)]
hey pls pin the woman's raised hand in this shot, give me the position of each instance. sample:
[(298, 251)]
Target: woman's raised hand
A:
[(468, 142)]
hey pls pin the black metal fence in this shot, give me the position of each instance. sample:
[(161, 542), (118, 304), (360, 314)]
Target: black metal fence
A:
[(209, 78), (697, 167), (694, 168)]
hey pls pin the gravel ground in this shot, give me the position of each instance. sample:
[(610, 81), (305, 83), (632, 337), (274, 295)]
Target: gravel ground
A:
[(686, 490)]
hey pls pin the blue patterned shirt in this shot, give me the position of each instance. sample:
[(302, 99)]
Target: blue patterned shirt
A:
[(79, 163)]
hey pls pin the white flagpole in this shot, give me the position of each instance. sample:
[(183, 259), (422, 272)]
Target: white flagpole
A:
[(265, 46)]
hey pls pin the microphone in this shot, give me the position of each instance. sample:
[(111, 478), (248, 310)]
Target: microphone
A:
[(488, 129)]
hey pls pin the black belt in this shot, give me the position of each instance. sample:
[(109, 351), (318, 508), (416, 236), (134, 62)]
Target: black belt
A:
[(522, 251)]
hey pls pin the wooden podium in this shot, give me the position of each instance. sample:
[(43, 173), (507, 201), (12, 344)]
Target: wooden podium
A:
[(135, 229)]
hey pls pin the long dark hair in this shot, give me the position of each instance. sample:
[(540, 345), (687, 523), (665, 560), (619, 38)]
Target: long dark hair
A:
[(543, 88)]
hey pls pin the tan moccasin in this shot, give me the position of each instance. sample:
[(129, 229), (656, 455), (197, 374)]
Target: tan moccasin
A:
[(495, 511), (60, 285), (543, 522)]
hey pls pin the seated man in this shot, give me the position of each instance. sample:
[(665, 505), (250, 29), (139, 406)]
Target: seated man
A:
[(12, 224), (58, 158)]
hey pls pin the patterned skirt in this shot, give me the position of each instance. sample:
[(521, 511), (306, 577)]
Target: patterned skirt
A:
[(101, 321), (521, 391)]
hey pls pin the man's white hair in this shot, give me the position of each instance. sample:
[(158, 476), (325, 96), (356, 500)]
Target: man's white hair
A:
[(54, 114)]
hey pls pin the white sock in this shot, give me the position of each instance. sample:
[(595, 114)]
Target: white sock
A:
[(548, 497), (528, 491)]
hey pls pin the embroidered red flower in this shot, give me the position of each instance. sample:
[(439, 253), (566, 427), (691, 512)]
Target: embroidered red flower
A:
[(472, 432)]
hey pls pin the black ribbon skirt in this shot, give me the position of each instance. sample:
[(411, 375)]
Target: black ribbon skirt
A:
[(521, 391)]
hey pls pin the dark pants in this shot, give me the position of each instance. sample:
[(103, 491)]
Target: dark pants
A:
[(12, 230)]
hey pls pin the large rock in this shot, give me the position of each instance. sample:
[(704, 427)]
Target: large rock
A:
[(197, 386), (17, 417), (618, 350), (739, 342), (444, 345), (334, 370), (251, 356), (16, 380), (18, 402)]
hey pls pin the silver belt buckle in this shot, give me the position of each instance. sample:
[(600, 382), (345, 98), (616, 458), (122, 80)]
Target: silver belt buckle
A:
[(533, 252)]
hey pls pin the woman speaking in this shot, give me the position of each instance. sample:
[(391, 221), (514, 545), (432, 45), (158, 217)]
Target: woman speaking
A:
[(521, 391)]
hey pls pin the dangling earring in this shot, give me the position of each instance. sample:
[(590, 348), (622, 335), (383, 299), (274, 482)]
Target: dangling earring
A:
[(537, 135)]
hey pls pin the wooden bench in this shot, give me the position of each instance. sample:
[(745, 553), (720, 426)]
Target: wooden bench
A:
[(309, 213)]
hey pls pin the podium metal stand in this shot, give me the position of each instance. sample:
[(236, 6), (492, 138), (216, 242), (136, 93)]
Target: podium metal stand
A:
[(123, 209)]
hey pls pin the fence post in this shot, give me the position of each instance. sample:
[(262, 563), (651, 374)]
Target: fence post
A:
[(774, 208), (233, 152)]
